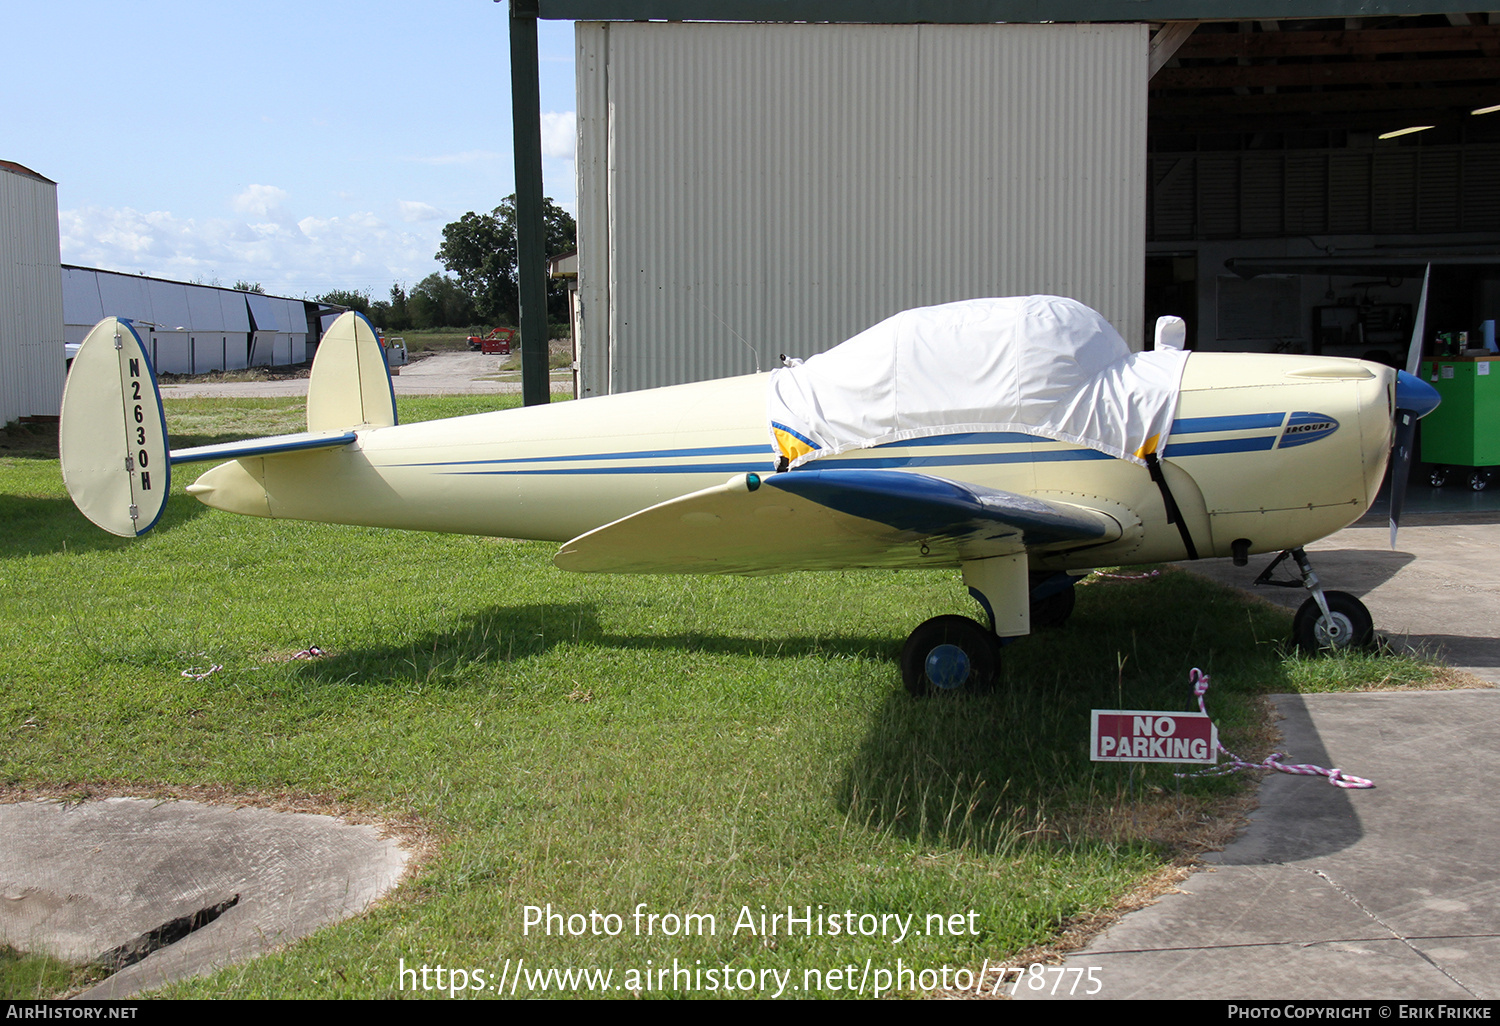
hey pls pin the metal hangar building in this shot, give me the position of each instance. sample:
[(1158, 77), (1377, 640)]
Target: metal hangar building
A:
[(758, 177)]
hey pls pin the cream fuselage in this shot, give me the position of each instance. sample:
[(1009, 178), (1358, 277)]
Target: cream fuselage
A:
[(1241, 462)]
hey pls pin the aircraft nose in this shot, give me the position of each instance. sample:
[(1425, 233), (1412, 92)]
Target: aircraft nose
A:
[(1415, 395)]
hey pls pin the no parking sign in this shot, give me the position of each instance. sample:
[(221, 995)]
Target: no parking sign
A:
[(1135, 735)]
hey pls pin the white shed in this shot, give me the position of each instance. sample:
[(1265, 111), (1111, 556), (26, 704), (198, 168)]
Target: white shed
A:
[(31, 318)]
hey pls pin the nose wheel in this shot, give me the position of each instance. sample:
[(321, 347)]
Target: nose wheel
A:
[(1329, 621), (1345, 625), (950, 655)]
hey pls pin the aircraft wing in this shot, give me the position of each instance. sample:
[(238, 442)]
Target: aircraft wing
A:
[(830, 519)]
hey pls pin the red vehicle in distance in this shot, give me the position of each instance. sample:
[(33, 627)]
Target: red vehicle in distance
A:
[(497, 341)]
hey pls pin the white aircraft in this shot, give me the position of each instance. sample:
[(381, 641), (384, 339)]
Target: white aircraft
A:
[(1016, 439)]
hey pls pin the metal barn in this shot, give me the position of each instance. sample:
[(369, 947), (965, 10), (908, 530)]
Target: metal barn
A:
[(31, 318), (189, 328)]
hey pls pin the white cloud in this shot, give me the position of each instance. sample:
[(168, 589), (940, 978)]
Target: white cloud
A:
[(413, 211), (289, 257), (263, 201), (560, 135)]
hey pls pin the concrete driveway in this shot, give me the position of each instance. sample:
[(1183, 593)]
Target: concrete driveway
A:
[(1384, 894)]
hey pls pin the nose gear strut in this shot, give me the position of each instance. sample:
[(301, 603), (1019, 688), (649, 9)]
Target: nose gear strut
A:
[(1329, 620)]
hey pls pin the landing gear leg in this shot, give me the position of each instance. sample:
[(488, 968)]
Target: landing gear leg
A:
[(1328, 621), (955, 653)]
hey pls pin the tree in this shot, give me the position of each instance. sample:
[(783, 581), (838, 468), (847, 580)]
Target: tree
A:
[(438, 301), (245, 286), (481, 250), (392, 315), (400, 317), (347, 298)]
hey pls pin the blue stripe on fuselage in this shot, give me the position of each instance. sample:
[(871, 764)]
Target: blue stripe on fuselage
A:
[(1236, 422), (1185, 426)]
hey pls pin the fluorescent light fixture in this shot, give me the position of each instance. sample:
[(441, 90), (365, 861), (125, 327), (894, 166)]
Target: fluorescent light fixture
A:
[(1486, 110), (1405, 131)]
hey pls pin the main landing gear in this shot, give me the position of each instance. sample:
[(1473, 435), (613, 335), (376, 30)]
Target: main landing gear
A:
[(1329, 620), (954, 654), (950, 654)]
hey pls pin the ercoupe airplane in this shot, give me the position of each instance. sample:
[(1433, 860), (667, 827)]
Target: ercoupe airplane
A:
[(1019, 440)]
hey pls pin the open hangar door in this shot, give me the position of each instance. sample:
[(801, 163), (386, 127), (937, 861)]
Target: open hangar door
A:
[(1302, 175), (1299, 171)]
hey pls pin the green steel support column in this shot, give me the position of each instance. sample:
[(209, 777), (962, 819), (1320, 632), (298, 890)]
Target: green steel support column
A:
[(531, 254)]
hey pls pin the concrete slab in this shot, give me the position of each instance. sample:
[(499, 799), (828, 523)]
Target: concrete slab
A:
[(97, 879), (1335, 894), (1436, 594)]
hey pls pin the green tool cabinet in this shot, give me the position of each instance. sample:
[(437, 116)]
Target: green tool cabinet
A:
[(1464, 432)]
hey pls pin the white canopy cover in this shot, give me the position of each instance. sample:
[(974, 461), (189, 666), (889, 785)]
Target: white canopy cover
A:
[(1040, 365)]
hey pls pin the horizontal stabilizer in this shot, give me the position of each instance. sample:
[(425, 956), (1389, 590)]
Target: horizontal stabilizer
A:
[(305, 441), (829, 519)]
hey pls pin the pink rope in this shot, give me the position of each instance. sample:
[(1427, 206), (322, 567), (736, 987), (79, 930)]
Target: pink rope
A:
[(193, 673), (1336, 777)]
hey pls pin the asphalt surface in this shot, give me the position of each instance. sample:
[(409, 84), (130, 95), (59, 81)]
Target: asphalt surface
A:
[(1391, 893)]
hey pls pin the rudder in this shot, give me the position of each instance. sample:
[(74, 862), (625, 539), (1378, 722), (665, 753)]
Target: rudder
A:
[(112, 436), (351, 383)]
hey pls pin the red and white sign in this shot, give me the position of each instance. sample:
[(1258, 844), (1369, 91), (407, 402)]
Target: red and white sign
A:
[(1132, 735)]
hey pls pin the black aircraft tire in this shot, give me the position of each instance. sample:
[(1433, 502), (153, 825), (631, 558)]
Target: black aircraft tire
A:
[(1054, 610), (950, 654), (1352, 625)]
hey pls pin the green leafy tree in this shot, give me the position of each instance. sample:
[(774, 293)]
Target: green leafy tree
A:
[(393, 314), (481, 250), (247, 286), (399, 318), (438, 301), (347, 298)]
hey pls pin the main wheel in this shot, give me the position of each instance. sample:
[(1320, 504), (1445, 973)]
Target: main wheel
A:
[(1438, 477), (1347, 626), (1479, 480), (1054, 610), (950, 654)]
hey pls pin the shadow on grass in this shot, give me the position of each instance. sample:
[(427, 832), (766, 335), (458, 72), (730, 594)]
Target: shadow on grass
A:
[(32, 526), (504, 634), (985, 771), (978, 772)]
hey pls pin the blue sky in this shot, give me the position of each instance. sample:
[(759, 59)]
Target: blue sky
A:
[(307, 146)]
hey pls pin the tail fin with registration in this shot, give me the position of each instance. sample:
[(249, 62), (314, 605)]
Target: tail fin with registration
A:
[(117, 457)]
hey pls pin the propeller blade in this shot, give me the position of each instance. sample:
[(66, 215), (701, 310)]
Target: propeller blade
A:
[(1415, 399), (1406, 433), (1413, 402), (1414, 349)]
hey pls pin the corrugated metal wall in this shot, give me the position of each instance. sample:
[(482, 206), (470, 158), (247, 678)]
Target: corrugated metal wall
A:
[(778, 188), (31, 323), (198, 328)]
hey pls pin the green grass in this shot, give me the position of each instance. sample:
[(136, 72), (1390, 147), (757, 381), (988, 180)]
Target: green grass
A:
[(27, 977), (694, 744)]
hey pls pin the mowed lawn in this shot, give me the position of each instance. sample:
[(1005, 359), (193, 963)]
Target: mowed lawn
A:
[(694, 748)]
